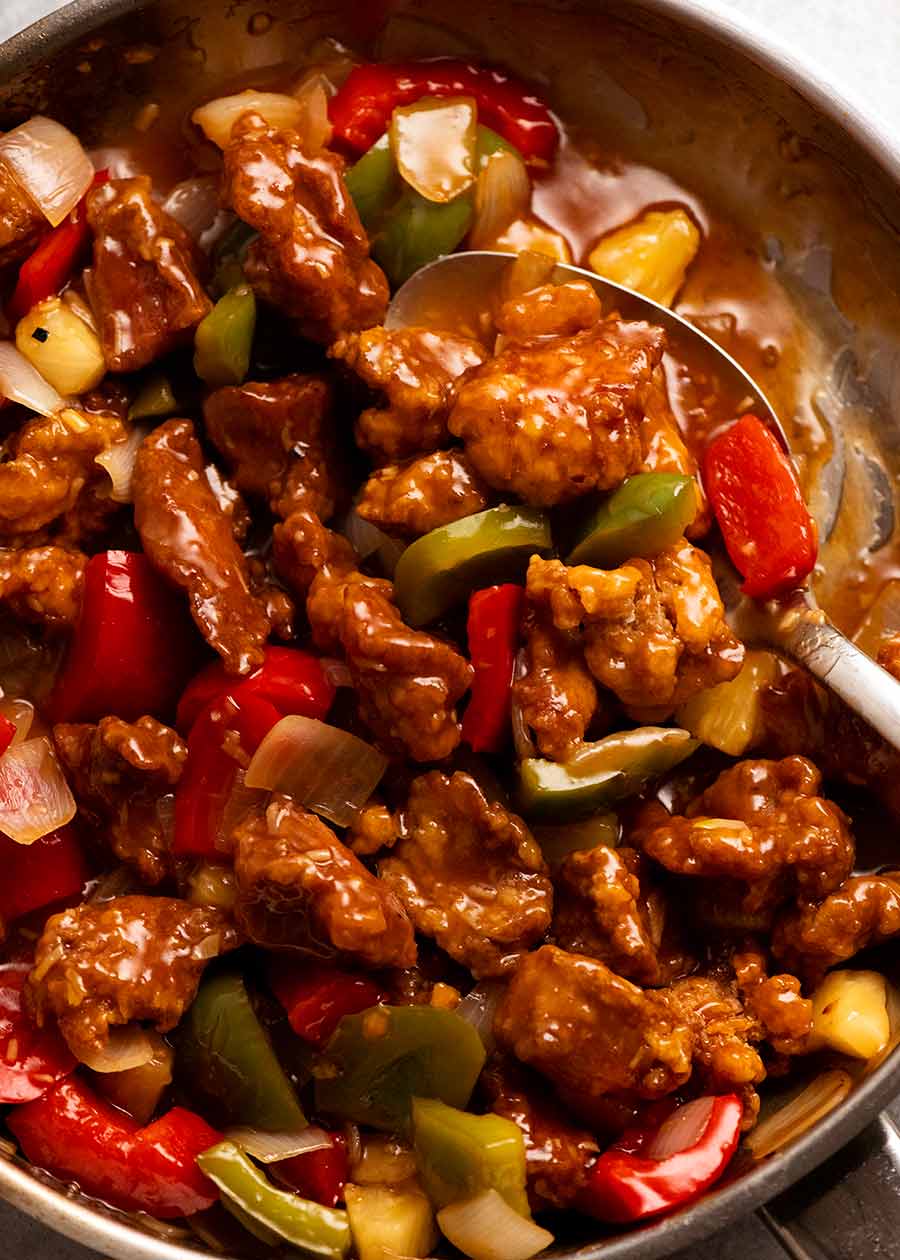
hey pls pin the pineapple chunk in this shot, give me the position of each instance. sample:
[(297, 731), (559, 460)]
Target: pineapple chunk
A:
[(61, 346), (533, 235), (728, 717), (850, 1013), (650, 255), (389, 1221)]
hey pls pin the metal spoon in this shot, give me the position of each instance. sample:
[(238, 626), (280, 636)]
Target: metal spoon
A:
[(460, 292)]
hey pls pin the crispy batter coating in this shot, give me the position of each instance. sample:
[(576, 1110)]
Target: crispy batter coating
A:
[(550, 310), (188, 535), (813, 936), (470, 874), (300, 888), (555, 692), (418, 371), (422, 495), (122, 775), (279, 440), (132, 958), (654, 631), (555, 416), (374, 828), (311, 258), (43, 584), (762, 823), (144, 289), (408, 682), (775, 1001), (51, 468)]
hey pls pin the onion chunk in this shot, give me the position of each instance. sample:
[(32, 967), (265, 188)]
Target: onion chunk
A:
[(487, 1228), (271, 1148), (22, 383), (322, 767), (47, 160), (34, 796)]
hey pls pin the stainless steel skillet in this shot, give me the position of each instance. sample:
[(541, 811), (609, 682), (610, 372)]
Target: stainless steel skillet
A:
[(718, 110)]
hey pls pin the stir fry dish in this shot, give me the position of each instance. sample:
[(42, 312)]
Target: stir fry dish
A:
[(399, 841)]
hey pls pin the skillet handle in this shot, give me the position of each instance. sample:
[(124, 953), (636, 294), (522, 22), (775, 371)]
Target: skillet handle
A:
[(848, 1209), (843, 668)]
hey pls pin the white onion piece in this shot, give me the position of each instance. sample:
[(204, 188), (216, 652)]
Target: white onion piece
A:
[(502, 195), (34, 796), (21, 714), (364, 537), (800, 1114), (478, 1008), (523, 743), (684, 1127), (22, 383), (119, 459), (270, 1148), (48, 161), (216, 118), (326, 769), (487, 1228), (129, 1047), (313, 93), (242, 800), (196, 205), (121, 163)]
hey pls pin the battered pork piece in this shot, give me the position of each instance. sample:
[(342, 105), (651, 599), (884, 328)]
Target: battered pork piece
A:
[(408, 682), (189, 537), (654, 631), (122, 775), (555, 692), (418, 371), (552, 417), (311, 258), (133, 958), (373, 829), (278, 439), (775, 1001), (300, 888), (762, 823), (144, 289), (863, 911), (423, 494), (50, 466), (43, 584), (470, 874)]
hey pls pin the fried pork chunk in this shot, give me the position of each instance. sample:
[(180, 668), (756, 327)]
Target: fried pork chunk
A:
[(133, 958), (122, 775), (144, 289), (815, 935), (469, 873), (43, 584), (188, 535), (311, 258), (408, 682), (300, 888), (762, 823), (423, 494), (653, 631), (554, 415), (555, 691), (417, 372)]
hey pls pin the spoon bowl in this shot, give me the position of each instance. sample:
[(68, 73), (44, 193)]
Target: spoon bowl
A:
[(462, 291)]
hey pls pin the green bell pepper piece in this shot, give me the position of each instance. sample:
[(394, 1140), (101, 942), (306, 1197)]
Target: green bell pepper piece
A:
[(374, 183), (416, 231), (599, 774), (487, 143), (442, 568), (319, 1230), (224, 339), (459, 1155), (648, 513), (558, 840), (155, 399), (384, 1057), (225, 1057), (229, 257)]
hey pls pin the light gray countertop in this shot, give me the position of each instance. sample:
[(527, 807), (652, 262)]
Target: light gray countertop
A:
[(856, 45)]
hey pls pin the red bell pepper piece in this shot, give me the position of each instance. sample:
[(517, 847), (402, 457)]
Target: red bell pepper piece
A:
[(317, 1175), (211, 769), (45, 272), (133, 647), (79, 1137), (495, 616), (626, 1185), (293, 681), (361, 109), (317, 996), (40, 874), (7, 733), (32, 1059), (768, 531)]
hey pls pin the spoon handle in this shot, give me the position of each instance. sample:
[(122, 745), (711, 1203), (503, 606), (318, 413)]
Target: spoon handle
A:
[(846, 670)]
